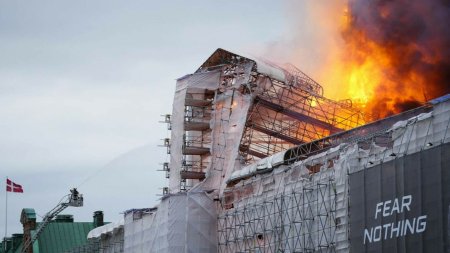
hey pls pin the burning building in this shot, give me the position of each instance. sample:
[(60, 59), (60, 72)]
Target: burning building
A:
[(261, 161)]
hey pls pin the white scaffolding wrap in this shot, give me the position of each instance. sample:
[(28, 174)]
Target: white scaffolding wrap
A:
[(290, 210), (184, 222), (228, 124), (194, 83), (303, 207)]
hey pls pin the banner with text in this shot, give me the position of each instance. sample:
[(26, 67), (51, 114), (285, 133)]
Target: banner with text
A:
[(402, 205)]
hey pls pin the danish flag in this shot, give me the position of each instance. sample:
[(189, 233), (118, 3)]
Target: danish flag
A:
[(13, 187)]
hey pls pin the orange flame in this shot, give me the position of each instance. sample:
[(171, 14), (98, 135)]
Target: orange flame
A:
[(383, 56), (365, 71), (381, 75)]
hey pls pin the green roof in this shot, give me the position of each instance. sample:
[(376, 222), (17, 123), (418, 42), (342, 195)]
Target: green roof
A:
[(14, 244), (58, 237), (19, 249)]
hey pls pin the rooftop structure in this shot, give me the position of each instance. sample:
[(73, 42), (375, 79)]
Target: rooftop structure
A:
[(234, 111)]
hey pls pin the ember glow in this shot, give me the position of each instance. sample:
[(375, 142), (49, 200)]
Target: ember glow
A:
[(394, 55)]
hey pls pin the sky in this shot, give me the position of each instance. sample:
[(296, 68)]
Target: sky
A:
[(83, 85)]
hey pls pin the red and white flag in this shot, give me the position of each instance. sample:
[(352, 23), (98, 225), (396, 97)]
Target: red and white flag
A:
[(13, 187)]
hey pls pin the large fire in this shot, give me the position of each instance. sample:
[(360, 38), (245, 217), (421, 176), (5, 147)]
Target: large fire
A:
[(395, 55), (388, 57)]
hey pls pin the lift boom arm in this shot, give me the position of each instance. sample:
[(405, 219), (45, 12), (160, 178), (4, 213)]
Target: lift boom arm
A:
[(73, 199)]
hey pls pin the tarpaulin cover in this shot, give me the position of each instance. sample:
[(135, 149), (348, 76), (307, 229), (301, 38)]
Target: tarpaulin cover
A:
[(194, 83), (184, 222)]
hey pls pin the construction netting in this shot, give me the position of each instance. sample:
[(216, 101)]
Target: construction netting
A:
[(208, 119), (193, 88), (303, 207), (265, 142), (289, 209), (232, 114), (183, 222)]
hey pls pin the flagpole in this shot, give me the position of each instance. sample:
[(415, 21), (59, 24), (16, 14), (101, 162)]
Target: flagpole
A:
[(6, 209)]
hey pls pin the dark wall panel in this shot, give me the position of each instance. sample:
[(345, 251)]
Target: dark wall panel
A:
[(402, 205)]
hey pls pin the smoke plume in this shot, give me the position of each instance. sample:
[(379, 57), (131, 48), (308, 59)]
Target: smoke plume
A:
[(387, 56), (413, 36)]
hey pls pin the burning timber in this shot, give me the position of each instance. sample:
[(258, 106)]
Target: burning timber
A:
[(261, 161)]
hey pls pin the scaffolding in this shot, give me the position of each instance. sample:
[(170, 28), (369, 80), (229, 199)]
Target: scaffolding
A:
[(375, 132), (302, 205), (234, 111), (273, 155), (299, 220), (292, 112), (196, 137)]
